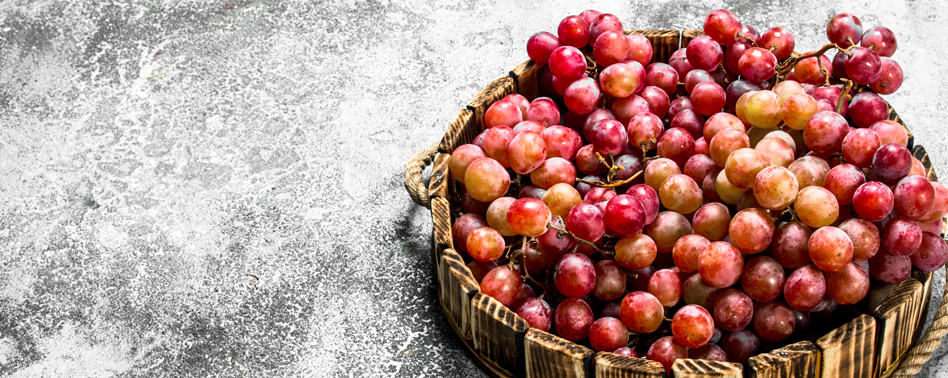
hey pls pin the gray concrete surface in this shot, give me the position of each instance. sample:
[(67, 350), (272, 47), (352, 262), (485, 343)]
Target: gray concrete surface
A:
[(214, 189)]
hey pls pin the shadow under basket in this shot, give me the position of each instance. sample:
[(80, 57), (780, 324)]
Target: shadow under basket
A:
[(879, 337)]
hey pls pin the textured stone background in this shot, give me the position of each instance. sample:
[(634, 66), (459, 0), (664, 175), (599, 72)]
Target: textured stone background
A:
[(203, 189)]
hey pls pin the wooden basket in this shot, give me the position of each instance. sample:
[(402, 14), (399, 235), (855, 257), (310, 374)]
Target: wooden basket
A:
[(867, 342)]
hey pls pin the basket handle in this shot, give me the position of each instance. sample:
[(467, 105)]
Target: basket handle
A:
[(416, 188), (922, 351)]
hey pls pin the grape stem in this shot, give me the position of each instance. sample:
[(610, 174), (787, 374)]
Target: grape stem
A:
[(749, 39), (520, 252), (844, 95), (790, 63), (613, 168), (563, 231), (611, 184)]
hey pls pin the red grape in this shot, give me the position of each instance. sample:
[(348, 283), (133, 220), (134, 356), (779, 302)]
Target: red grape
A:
[(640, 49), (665, 351), (741, 345), (643, 128), (582, 95), (622, 79), (824, 132), (816, 207), (648, 197), (859, 146), (777, 37), (890, 77), (873, 201), (867, 108), (709, 352), (692, 326), (881, 40), (573, 318), (667, 228), (635, 252), (914, 197), (586, 222), (567, 63), (722, 26), (704, 53), (901, 236), (890, 132), (689, 120), (865, 237), (607, 334), (610, 281), (486, 180), (842, 28), (502, 284), (657, 100), (537, 313), (712, 221), (720, 264), (541, 45), (931, 254), (757, 64), (528, 217), (708, 98), (830, 248), (641, 312), (624, 215), (626, 351), (763, 279), (733, 310), (461, 158), (743, 165), (808, 70), (503, 113), (573, 31), (686, 250), (679, 61), (575, 275), (479, 269), (848, 285), (497, 215), (891, 163), (663, 76), (805, 288), (773, 321), (890, 268), (864, 66), (610, 47), (544, 111)]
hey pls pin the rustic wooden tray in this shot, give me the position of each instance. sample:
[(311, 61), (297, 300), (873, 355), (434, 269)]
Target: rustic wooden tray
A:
[(870, 340)]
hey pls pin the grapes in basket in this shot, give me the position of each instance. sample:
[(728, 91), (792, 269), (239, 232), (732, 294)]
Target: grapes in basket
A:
[(706, 207)]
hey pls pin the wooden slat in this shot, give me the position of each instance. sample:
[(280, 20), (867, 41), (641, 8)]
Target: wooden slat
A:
[(849, 351), (498, 333), (800, 359), (440, 176), (461, 131), (611, 365), (441, 235), (494, 91), (922, 156), (687, 36), (688, 368), (549, 356), (664, 42), (897, 318), (458, 288), (525, 77)]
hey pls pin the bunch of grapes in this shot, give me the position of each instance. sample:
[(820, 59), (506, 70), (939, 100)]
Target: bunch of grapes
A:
[(705, 206)]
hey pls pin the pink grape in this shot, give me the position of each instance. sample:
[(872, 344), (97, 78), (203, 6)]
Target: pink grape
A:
[(626, 351), (842, 181), (537, 313), (527, 152), (663, 76), (587, 162), (551, 242), (824, 132), (589, 15), (640, 49), (607, 334), (741, 345), (848, 285), (528, 126), (572, 319), (679, 61), (595, 195), (843, 26), (751, 230), (502, 284), (602, 24), (635, 252), (931, 254), (890, 77), (732, 56), (610, 47), (722, 26), (665, 351), (773, 321), (624, 215), (461, 158), (582, 95), (890, 132), (708, 98), (667, 228), (567, 63), (890, 268), (733, 310), (867, 108), (575, 275), (712, 221), (608, 137), (763, 279), (865, 237), (503, 113), (644, 127), (657, 100), (528, 217), (694, 77), (891, 163), (757, 64), (775, 187), (649, 199), (544, 111), (621, 79), (573, 31), (914, 197), (692, 326), (779, 37), (586, 222), (554, 171), (688, 120), (709, 352), (777, 151), (641, 312), (541, 45), (859, 146), (462, 228), (627, 107), (873, 201), (561, 142), (676, 144), (486, 180), (830, 248), (808, 70), (665, 285), (704, 53), (686, 251), (901, 236), (679, 104), (720, 264), (864, 66), (881, 40), (939, 206), (697, 292), (805, 288)]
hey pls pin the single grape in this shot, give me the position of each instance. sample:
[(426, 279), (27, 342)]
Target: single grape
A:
[(867, 108), (931, 254), (665, 285), (497, 143), (679, 104), (527, 152), (582, 95), (881, 40), (587, 162), (471, 205), (626, 351), (844, 30), (665, 351), (891, 163), (798, 109), (689, 120), (697, 292), (890, 77), (698, 166), (554, 171), (657, 100), (503, 113), (722, 26), (694, 77), (711, 221), (824, 132), (708, 98), (586, 222), (890, 268), (778, 40), (914, 197), (848, 285), (776, 150), (573, 31), (624, 215), (575, 275), (679, 61), (842, 181), (502, 284), (704, 53), (808, 70), (816, 207), (567, 63), (864, 66), (939, 206), (608, 137), (537, 313), (486, 180), (865, 237), (773, 321), (733, 310), (728, 192), (641, 312), (602, 24), (859, 146), (830, 249), (708, 352), (751, 230), (663, 76), (573, 318), (901, 236), (805, 288), (648, 197), (541, 45), (610, 47), (658, 170), (890, 132), (763, 279), (589, 15), (692, 326), (621, 79), (743, 165), (757, 64), (627, 107), (643, 129), (726, 142), (635, 252), (497, 215), (543, 110), (720, 264), (873, 201), (608, 333), (741, 345), (640, 49), (775, 188), (680, 193), (461, 158), (667, 228), (528, 217), (686, 251)]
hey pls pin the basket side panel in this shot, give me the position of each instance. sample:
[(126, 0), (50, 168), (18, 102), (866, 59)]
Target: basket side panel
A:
[(462, 130), (441, 222), (458, 288), (498, 333), (526, 79), (494, 91), (897, 319), (849, 351), (687, 36), (440, 176), (611, 365), (549, 356), (664, 42), (688, 368), (800, 359)]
